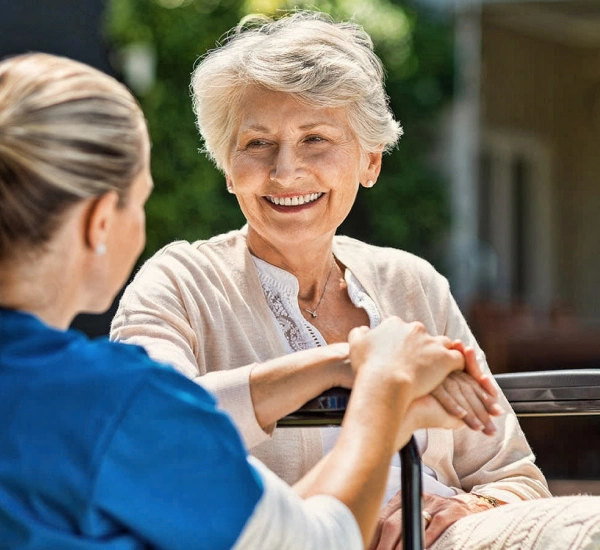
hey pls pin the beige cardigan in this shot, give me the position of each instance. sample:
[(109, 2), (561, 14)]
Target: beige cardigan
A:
[(200, 307)]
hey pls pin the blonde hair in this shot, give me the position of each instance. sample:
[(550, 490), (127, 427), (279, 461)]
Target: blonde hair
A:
[(67, 132), (306, 54)]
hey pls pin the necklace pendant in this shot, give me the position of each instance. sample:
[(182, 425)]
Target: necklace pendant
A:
[(313, 314)]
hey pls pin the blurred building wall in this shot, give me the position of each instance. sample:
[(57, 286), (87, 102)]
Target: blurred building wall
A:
[(546, 91), (524, 164)]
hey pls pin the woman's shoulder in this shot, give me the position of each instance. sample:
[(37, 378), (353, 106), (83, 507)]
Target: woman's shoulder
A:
[(184, 264), (115, 365), (94, 373), (227, 248)]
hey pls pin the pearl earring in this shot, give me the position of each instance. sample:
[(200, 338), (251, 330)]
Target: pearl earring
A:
[(100, 249), (369, 184), (230, 189)]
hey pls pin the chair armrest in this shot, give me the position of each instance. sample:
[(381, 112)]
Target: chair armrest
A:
[(552, 393), (326, 409)]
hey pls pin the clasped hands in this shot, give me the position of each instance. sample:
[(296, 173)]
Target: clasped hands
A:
[(447, 385), (449, 390)]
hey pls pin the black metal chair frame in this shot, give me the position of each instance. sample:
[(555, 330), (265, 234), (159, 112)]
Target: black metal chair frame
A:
[(540, 393)]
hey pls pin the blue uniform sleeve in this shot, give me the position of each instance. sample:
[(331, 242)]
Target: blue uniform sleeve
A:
[(175, 471)]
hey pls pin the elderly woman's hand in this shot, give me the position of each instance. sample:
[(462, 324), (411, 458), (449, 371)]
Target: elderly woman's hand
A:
[(470, 394), (444, 511)]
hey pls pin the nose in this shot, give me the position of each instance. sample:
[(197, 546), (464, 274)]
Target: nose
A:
[(288, 165)]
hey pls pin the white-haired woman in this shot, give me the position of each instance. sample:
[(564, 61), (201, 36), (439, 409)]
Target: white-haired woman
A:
[(101, 447), (295, 114)]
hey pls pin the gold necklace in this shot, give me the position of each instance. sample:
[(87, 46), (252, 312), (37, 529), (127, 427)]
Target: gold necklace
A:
[(313, 313)]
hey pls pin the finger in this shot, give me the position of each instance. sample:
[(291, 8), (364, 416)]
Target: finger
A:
[(447, 401), (439, 523), (448, 343), (490, 402), (478, 402), (471, 364), (472, 367), (458, 360), (392, 507), (391, 532), (356, 333), (457, 385)]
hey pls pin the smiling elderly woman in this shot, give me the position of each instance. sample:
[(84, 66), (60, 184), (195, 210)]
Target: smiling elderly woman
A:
[(295, 114)]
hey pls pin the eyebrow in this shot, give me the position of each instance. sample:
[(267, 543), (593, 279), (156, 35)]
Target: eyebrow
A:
[(309, 126), (317, 124)]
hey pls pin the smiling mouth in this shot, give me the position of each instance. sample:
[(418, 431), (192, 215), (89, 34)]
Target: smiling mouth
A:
[(296, 200)]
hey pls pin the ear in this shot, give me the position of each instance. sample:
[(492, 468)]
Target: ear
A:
[(99, 221), (371, 172), (230, 187)]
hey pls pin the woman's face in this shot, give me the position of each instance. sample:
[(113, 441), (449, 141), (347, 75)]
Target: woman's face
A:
[(128, 230), (295, 169)]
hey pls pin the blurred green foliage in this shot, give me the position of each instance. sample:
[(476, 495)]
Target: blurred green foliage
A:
[(408, 208)]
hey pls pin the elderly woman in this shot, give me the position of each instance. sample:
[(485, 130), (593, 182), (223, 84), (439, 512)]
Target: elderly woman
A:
[(100, 447), (295, 114)]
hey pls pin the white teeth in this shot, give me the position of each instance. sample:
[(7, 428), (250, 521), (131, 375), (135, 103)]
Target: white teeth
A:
[(294, 201)]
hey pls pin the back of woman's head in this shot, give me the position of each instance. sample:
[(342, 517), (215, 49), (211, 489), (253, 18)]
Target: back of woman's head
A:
[(306, 54), (68, 132)]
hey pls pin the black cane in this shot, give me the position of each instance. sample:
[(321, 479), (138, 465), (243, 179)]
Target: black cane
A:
[(412, 531)]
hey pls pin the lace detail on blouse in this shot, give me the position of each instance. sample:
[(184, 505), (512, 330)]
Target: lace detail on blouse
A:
[(290, 329), (281, 292)]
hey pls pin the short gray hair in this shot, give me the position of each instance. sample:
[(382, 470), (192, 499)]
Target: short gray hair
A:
[(67, 132), (306, 54)]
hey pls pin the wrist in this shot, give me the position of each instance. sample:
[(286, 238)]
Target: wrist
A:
[(477, 502), (330, 366), (492, 502), (384, 400)]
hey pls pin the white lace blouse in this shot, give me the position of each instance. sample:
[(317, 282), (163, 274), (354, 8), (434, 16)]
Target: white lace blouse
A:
[(281, 292)]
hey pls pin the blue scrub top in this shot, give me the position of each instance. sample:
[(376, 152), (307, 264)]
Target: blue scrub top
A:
[(102, 448)]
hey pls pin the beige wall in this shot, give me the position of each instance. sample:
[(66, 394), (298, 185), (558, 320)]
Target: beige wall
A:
[(551, 92)]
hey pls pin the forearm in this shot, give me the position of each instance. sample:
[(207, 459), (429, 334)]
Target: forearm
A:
[(281, 386), (356, 471)]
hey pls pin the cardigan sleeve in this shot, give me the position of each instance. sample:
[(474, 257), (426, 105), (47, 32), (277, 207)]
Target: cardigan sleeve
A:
[(172, 310), (501, 465)]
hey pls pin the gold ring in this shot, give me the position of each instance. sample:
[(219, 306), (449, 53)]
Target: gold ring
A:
[(427, 517)]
